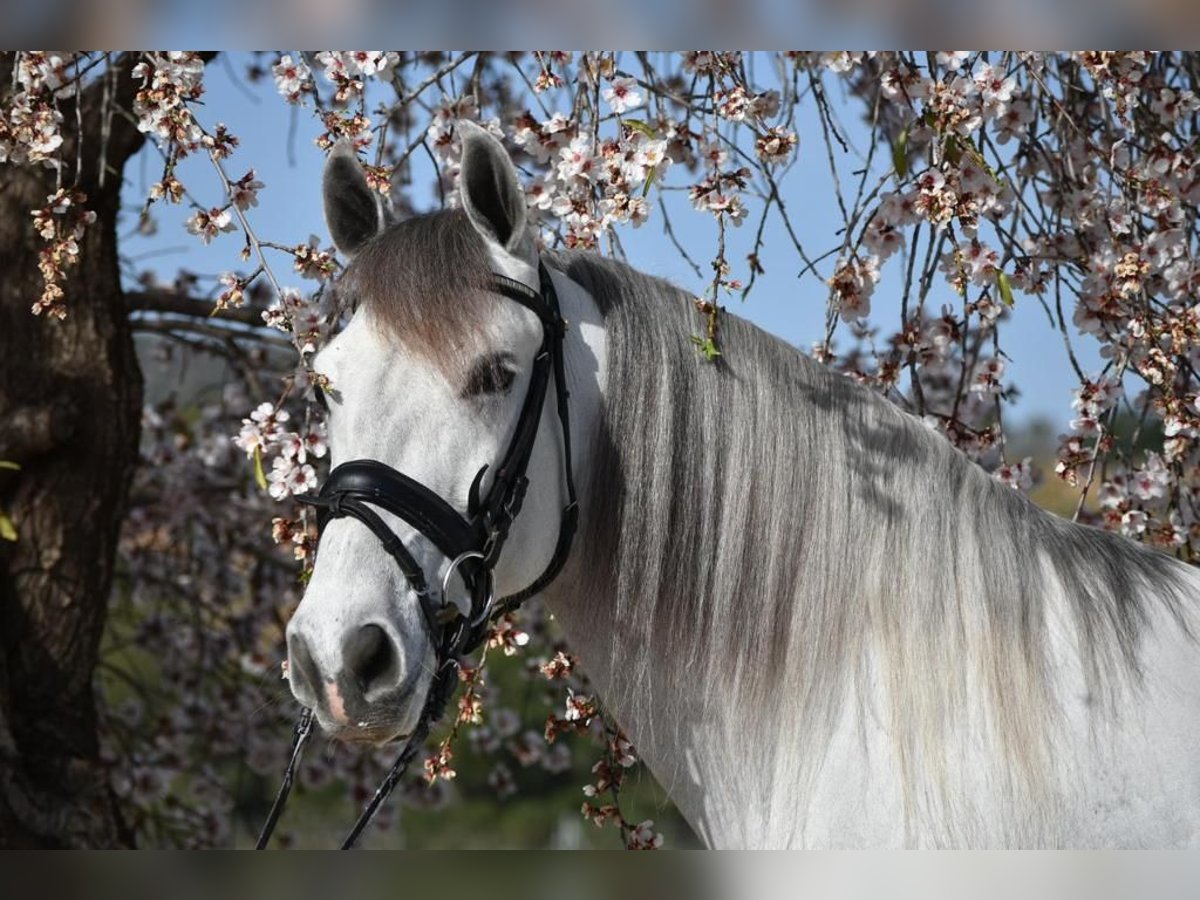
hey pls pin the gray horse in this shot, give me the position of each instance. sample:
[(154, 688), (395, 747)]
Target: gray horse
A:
[(820, 624)]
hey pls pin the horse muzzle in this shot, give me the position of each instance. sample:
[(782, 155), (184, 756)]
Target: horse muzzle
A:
[(361, 687)]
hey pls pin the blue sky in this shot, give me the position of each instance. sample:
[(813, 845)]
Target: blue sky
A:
[(289, 211)]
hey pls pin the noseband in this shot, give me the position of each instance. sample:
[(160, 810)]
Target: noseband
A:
[(472, 543)]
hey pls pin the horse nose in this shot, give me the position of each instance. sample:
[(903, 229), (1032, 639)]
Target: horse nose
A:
[(372, 661), (364, 670), (303, 674)]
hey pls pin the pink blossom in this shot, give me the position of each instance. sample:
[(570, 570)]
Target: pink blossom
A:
[(1018, 476), (952, 59), (1133, 523), (852, 285), (288, 477), (841, 61), (293, 78), (576, 159), (208, 224), (1151, 482), (995, 90), (623, 95), (244, 191), (644, 837), (987, 376)]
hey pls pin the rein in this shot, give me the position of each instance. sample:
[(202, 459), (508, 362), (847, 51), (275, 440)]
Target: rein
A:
[(472, 543)]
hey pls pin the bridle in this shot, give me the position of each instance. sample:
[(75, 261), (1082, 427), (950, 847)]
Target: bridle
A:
[(472, 542)]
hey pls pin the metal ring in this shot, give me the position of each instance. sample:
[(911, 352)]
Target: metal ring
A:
[(491, 595), (454, 564), (486, 612)]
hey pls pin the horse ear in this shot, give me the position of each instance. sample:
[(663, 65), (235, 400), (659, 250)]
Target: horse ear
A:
[(489, 189), (354, 213)]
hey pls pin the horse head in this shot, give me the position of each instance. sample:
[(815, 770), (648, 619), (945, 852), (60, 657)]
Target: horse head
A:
[(439, 432)]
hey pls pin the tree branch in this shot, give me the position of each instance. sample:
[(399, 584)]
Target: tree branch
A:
[(167, 301), (223, 336), (112, 139)]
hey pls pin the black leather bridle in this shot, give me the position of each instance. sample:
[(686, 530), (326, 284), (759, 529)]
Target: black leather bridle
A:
[(472, 542)]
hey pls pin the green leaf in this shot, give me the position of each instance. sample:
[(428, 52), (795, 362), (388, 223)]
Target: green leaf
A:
[(650, 176), (952, 150), (638, 125), (706, 346), (5, 464), (900, 154), (8, 531), (1005, 286), (260, 477)]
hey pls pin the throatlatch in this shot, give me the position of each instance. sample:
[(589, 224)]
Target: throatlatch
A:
[(472, 542)]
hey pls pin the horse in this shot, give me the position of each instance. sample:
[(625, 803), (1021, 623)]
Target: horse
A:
[(820, 624)]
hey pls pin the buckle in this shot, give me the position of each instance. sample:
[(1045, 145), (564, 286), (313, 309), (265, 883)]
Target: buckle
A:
[(498, 521), (516, 498)]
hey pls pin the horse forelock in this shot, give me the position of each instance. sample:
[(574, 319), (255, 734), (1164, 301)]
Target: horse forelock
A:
[(425, 282)]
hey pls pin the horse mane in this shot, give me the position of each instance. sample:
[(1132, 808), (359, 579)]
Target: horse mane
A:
[(798, 543)]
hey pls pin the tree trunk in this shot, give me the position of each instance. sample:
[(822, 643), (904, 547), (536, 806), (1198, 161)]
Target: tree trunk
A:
[(70, 401)]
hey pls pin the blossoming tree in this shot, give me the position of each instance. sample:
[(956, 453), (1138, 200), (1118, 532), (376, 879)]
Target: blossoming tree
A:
[(1064, 181)]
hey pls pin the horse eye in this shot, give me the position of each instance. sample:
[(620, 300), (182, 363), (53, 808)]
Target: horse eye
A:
[(490, 375)]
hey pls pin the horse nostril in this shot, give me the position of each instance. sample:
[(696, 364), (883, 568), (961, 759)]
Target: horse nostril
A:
[(369, 655), (302, 671)]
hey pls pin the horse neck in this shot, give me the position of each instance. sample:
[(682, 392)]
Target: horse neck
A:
[(860, 554), (691, 751), (713, 761)]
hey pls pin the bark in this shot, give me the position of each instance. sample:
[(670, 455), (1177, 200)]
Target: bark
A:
[(70, 400)]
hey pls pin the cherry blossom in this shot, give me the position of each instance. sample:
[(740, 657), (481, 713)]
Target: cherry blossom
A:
[(207, 224), (61, 224), (644, 837), (1018, 476), (244, 192), (293, 78), (623, 95), (852, 284), (775, 145), (170, 81), (288, 477)]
